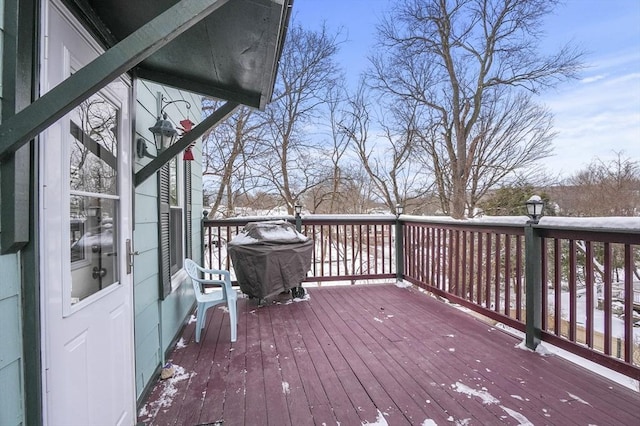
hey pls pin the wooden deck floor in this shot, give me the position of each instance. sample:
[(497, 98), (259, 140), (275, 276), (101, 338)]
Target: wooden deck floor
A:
[(379, 355)]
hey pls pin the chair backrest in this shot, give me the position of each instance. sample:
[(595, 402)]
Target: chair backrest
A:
[(194, 270)]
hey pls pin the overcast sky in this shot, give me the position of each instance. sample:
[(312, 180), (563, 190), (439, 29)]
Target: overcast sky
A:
[(595, 116)]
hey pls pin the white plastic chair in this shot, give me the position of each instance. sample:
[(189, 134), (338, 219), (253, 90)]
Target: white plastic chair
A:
[(212, 297)]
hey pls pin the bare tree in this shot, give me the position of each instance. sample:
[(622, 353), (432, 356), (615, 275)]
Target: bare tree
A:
[(514, 133), (229, 152), (293, 161), (387, 157), (603, 189), (459, 60)]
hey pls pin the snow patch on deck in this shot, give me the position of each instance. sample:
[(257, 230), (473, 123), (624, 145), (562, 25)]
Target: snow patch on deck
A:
[(522, 420), (487, 398), (167, 394), (380, 421), (577, 398)]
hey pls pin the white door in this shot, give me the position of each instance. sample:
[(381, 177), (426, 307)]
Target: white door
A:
[(85, 187)]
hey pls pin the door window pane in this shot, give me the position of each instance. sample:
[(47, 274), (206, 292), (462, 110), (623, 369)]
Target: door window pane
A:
[(94, 255), (94, 153), (93, 207)]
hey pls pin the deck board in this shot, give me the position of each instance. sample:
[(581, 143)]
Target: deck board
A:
[(349, 354)]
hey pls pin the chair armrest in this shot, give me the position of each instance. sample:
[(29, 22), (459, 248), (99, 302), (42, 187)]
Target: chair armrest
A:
[(222, 272)]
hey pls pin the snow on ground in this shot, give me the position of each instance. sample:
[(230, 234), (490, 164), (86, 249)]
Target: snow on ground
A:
[(628, 223), (403, 284), (380, 421), (489, 399), (168, 393)]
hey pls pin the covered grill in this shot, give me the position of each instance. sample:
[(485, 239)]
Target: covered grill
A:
[(270, 258)]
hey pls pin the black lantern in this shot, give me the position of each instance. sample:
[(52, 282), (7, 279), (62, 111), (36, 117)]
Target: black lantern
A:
[(298, 209), (163, 133), (535, 206), (93, 210), (399, 209)]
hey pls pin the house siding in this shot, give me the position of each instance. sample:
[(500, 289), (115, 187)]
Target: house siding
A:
[(157, 321), (11, 360)]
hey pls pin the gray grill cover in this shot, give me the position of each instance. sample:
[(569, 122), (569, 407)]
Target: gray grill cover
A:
[(270, 258)]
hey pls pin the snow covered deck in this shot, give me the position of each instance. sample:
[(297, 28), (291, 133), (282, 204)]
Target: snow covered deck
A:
[(374, 354)]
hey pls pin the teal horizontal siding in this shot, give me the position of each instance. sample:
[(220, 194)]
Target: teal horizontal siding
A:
[(11, 412), (175, 309), (157, 322), (11, 360)]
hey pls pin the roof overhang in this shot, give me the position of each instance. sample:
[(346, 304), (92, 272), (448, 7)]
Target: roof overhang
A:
[(227, 49), (231, 54)]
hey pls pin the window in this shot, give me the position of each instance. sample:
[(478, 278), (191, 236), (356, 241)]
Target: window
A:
[(174, 196), (93, 196), (175, 218)]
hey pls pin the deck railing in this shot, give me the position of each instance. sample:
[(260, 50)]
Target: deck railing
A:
[(349, 248), (574, 287)]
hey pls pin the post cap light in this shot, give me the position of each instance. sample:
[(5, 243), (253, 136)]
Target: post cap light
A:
[(399, 209), (535, 206), (298, 209), (93, 211)]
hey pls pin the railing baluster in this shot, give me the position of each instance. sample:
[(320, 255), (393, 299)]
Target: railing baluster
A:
[(518, 280), (487, 274), (472, 264), (557, 287), (628, 303), (572, 290), (479, 271), (608, 290), (545, 283), (589, 296), (507, 275), (496, 284)]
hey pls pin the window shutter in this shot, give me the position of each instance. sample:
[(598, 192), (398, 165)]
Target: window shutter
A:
[(164, 214), (188, 239)]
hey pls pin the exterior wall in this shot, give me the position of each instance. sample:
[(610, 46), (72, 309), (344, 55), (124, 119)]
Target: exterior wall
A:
[(157, 322), (11, 359)]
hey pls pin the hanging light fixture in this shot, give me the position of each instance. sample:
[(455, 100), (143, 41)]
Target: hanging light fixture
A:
[(164, 133)]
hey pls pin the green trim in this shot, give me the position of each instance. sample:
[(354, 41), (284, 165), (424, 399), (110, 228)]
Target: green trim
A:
[(17, 60)]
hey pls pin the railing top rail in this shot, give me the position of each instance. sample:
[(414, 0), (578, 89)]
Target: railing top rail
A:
[(348, 218), (509, 221), (624, 230), (506, 224), (309, 219), (626, 227), (242, 220)]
